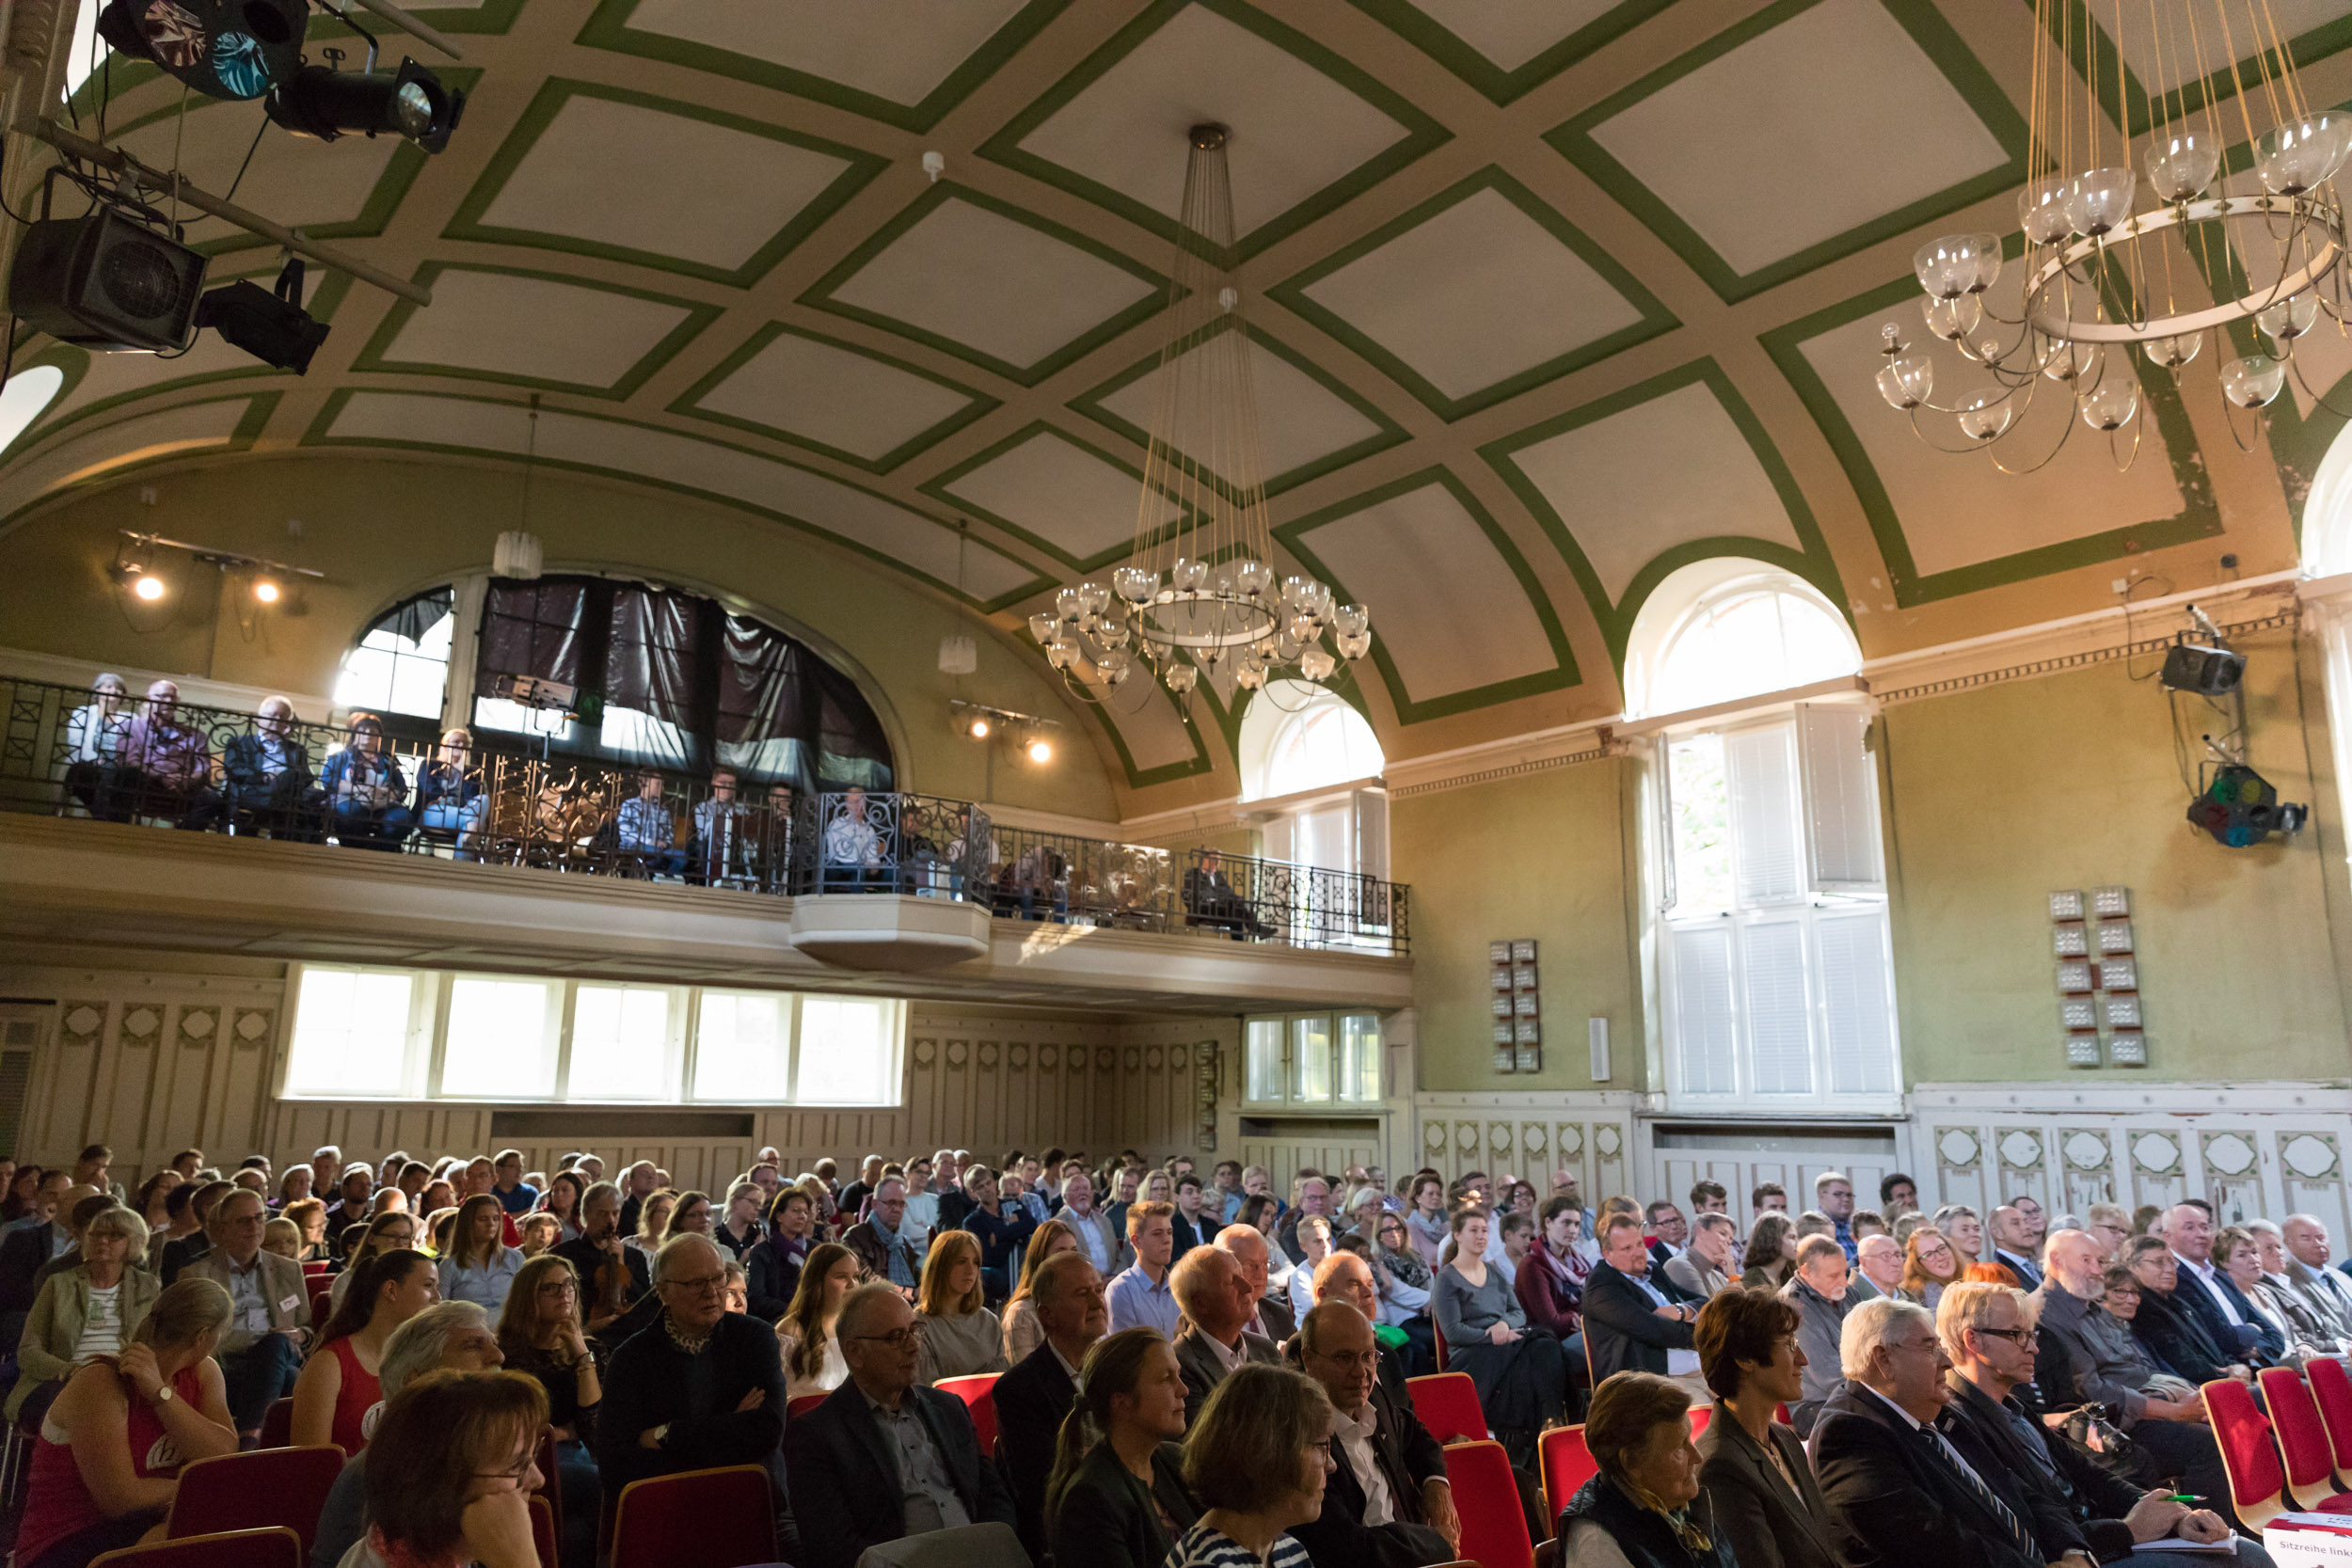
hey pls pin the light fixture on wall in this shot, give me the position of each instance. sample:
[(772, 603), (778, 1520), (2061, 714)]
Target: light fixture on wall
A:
[(2099, 280), (271, 581), (981, 723), (1205, 590)]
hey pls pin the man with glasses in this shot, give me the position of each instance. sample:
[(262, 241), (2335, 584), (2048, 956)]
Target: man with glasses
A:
[(1388, 1503), (260, 1351), (698, 1388), (883, 1458)]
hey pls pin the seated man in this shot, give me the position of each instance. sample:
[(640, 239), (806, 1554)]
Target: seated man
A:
[(646, 828), (270, 783), (1386, 1503), (164, 767), (1218, 1304), (1211, 900), (1034, 1396), (1139, 1296), (853, 849), (615, 1293), (1881, 1271), (1347, 1276), (2011, 1234), (1818, 1292), (367, 794), (726, 849), (883, 1458), (1630, 1325), (700, 1388), (874, 1238), (260, 1351)]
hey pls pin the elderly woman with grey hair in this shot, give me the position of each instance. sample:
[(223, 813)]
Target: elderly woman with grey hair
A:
[(1644, 1508), (88, 1310)]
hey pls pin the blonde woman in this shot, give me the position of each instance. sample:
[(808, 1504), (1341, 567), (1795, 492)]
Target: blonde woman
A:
[(960, 1334), (388, 1233), (653, 1223), (88, 1310), (813, 1362), (1023, 1332)]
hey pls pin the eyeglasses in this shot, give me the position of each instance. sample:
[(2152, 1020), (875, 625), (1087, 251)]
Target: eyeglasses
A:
[(709, 1284), (559, 1288), (517, 1475), (897, 1338), (2015, 1335)]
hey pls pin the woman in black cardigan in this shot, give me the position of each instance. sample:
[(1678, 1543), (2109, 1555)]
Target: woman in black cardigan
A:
[(1767, 1505), (1118, 1498), (1644, 1508)]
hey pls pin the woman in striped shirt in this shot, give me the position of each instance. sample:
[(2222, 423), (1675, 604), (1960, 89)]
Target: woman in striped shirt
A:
[(1256, 1460)]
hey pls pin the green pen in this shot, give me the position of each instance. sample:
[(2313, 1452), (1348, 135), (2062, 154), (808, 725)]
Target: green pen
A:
[(2183, 1498)]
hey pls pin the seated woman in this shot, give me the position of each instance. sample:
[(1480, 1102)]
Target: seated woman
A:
[(367, 794), (653, 1223), (448, 792), (283, 1237), (387, 1232), (1550, 1285), (960, 1336), (560, 1199), (85, 1311), (1522, 1379), (107, 1464), (1256, 1463), (813, 1362), (1645, 1506), (1118, 1498), (451, 1475), (2237, 1255), (1023, 1332), (1963, 1228), (541, 1335), (1930, 1263), (740, 1231), (1768, 1510), (774, 1263), (337, 1388), (478, 1266), (1002, 1228), (1771, 1255)]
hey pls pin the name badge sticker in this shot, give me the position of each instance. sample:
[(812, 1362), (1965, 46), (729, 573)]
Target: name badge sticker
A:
[(290, 1304)]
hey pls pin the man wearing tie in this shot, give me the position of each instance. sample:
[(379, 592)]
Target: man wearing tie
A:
[(2013, 1246), (2326, 1289)]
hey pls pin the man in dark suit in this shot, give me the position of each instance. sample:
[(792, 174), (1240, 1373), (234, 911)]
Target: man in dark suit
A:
[(43, 1234), (1197, 1224), (2229, 1319), (1035, 1396), (1271, 1310), (1629, 1324), (884, 1458), (1896, 1492), (1218, 1302), (1386, 1503), (2013, 1247), (270, 783)]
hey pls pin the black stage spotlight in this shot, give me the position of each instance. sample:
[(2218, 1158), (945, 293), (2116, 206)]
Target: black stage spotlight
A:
[(2239, 808), (233, 49), (272, 327), (107, 281), (412, 102), (2208, 671)]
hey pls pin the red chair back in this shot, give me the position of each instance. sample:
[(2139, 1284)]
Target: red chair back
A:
[(550, 1489), (238, 1548), (322, 1300), (278, 1424), (254, 1491), (316, 1266), (542, 1536), (2310, 1464), (1487, 1496), (1566, 1465), (979, 1394), (801, 1404), (1700, 1415), (2331, 1391), (1440, 1350), (2257, 1479), (720, 1518), (1447, 1403)]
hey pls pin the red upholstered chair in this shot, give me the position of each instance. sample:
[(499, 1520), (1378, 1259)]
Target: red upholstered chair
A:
[(322, 1299), (278, 1424), (543, 1530), (1440, 1350), (801, 1404), (1487, 1496), (1566, 1465), (1447, 1403), (1700, 1415), (316, 1266), (2331, 1391), (2311, 1462), (255, 1491), (2257, 1479), (550, 1489), (720, 1518), (237, 1548), (979, 1394)]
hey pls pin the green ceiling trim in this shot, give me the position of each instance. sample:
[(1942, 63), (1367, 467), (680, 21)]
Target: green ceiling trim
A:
[(1812, 561), (319, 435), (979, 407), (1408, 710), (1944, 48), (469, 223), (258, 408), (819, 294), (1090, 403), (1167, 772), (1655, 319), (491, 16), (609, 28), (2090, 49), (1442, 44), (2159, 399), (941, 488), (1422, 133), (697, 316)]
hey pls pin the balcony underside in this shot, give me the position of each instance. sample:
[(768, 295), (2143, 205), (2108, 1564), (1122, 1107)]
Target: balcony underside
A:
[(84, 884)]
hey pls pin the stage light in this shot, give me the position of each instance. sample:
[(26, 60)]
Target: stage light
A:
[(2239, 808), (317, 102), (270, 326), (1041, 751), (106, 280), (148, 588), (977, 728), (232, 49), (265, 591)]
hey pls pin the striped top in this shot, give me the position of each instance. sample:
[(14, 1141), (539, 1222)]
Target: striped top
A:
[(102, 1331), (1204, 1547)]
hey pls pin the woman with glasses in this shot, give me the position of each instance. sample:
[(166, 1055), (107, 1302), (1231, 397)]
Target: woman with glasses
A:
[(776, 1262), (1769, 1511), (387, 1232), (448, 792), (739, 1231), (540, 1332), (1256, 1462), (450, 1478), (1929, 1264)]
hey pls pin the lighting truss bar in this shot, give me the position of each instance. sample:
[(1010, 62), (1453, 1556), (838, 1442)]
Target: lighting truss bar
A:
[(221, 557), (412, 26), (1001, 716)]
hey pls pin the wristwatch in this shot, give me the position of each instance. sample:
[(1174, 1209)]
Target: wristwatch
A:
[(162, 1395)]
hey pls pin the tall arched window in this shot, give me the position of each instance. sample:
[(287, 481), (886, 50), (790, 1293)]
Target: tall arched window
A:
[(1727, 628), (1296, 737), (400, 664)]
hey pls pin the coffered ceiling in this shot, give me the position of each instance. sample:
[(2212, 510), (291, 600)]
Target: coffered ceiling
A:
[(1544, 299)]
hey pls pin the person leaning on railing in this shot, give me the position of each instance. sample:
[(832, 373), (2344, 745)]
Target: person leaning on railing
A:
[(448, 792), (94, 745)]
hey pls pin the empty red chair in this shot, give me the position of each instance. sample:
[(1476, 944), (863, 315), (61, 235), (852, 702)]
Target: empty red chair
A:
[(255, 1491), (979, 1394), (1700, 1415), (2310, 1464), (278, 1424), (543, 1530), (1447, 1403), (1486, 1495), (236, 1548), (801, 1404), (720, 1518), (2331, 1391), (316, 1266), (1566, 1464), (2257, 1479)]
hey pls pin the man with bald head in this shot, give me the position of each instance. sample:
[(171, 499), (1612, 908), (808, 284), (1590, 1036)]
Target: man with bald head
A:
[(1386, 1503), (2014, 1246), (1270, 1315), (1035, 1396), (2328, 1293), (270, 781), (1219, 1305)]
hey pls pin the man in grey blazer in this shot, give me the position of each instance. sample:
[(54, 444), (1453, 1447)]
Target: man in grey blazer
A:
[(1217, 1302), (2327, 1291), (260, 1351)]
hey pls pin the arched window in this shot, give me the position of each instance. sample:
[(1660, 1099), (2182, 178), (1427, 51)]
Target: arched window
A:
[(401, 666), (1295, 736), (1727, 628)]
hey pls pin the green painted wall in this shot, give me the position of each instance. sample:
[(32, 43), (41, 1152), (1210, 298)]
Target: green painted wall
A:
[(384, 527)]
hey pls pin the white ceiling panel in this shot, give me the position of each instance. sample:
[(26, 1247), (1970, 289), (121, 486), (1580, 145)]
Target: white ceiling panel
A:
[(900, 51), (532, 326), (833, 396), (1302, 421), (1051, 486)]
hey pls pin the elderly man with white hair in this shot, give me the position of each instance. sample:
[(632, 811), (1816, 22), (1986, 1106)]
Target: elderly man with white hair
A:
[(2326, 1289)]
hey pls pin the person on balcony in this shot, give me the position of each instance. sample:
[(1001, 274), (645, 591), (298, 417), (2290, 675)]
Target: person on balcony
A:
[(723, 849), (448, 792), (93, 746), (367, 794), (646, 828), (1211, 900), (270, 783), (166, 767), (853, 849)]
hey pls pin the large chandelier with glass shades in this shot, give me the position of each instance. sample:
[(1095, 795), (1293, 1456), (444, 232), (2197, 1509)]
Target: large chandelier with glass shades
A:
[(2139, 245), (1201, 590)]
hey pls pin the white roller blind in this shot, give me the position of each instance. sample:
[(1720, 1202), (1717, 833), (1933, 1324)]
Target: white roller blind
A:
[(1372, 832), (1856, 1007), (1780, 1033), (1704, 1031), (1841, 825), (1762, 766)]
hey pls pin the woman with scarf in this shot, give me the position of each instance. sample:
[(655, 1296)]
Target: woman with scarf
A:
[(1425, 1225), (1643, 1509), (1551, 1284)]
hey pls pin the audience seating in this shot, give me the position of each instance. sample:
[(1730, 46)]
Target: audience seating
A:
[(543, 1532), (551, 1487), (322, 1298), (1447, 1403), (2331, 1391), (1700, 1415), (278, 1424), (2257, 1479), (2311, 1467), (1487, 1496), (720, 1518), (979, 1394), (801, 1404), (987, 1546), (278, 1547), (1566, 1465), (317, 1267), (252, 1491)]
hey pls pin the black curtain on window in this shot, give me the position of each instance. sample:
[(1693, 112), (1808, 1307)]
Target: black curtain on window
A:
[(850, 749), (534, 628), (654, 692)]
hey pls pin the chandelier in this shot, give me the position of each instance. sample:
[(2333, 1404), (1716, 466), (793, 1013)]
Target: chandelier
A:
[(2099, 280), (1201, 590)]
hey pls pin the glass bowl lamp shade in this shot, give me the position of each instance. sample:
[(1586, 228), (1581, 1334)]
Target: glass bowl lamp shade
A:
[(2098, 199), (1906, 383), (2252, 381), (2072, 363), (2172, 352), (2292, 158), (1181, 677), (2110, 405), (2289, 319), (1958, 264), (2041, 208), (2180, 164), (1984, 414), (1953, 319)]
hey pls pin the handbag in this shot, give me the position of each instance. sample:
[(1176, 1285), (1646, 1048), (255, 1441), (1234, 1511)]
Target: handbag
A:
[(2091, 1435)]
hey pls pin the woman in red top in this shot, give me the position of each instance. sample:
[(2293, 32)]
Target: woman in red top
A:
[(107, 1462), (337, 1390)]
